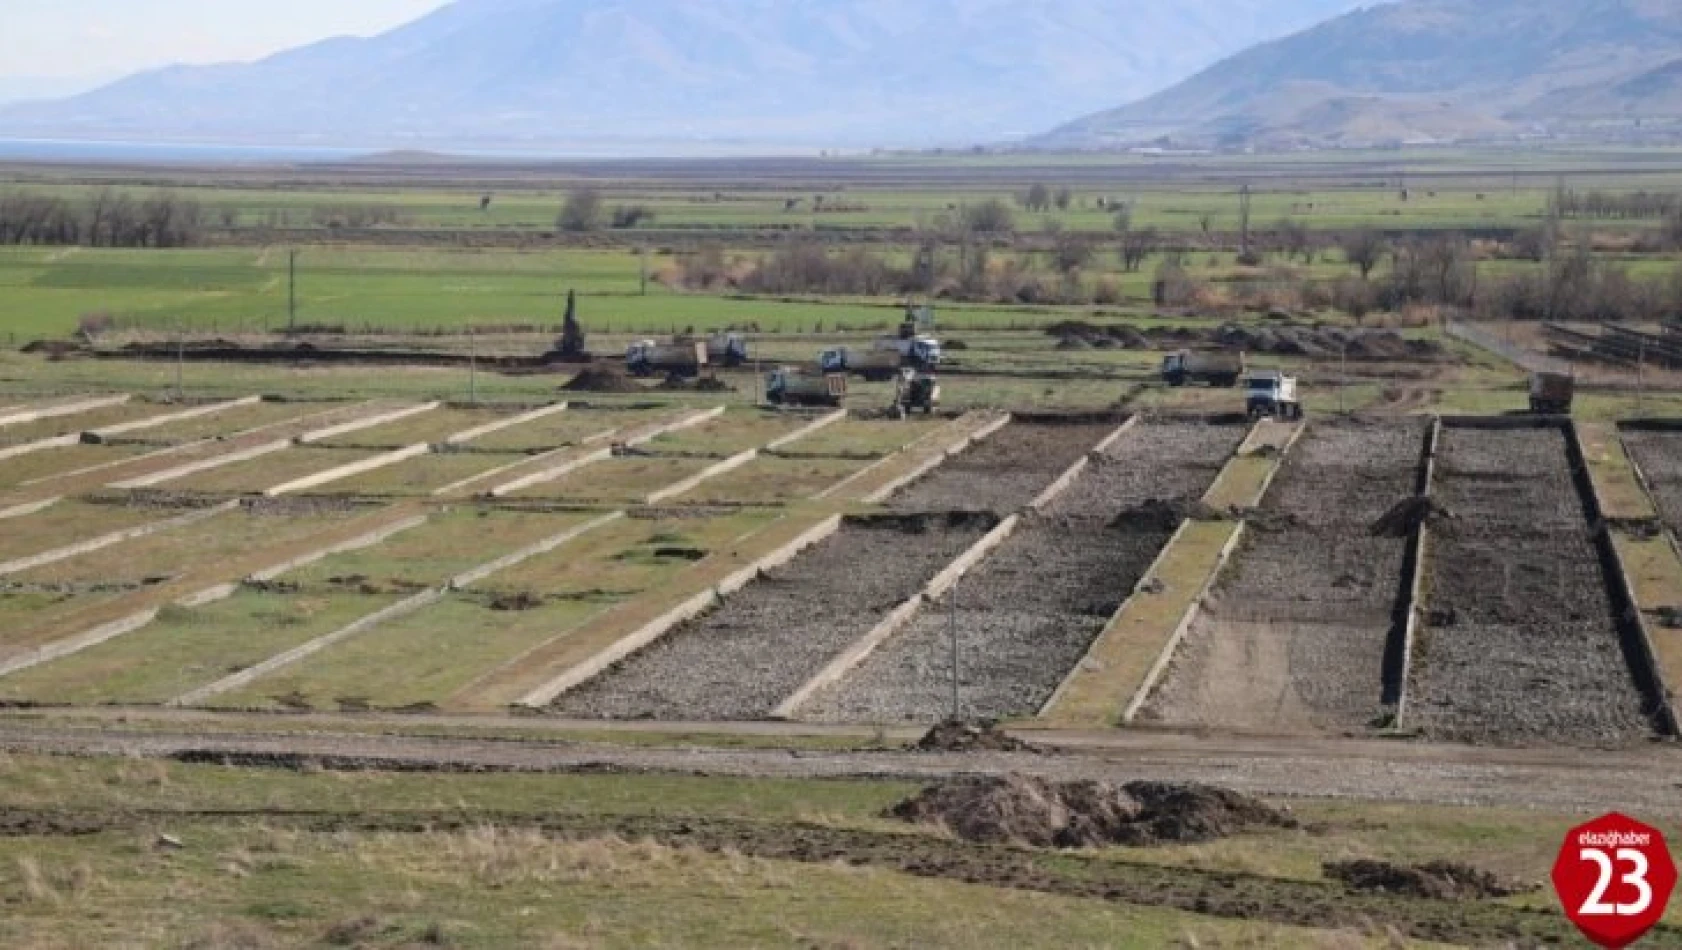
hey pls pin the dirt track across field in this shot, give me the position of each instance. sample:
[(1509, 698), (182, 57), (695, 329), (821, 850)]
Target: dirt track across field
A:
[(1646, 781)]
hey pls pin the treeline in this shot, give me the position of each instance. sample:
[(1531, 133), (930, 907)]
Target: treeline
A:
[(106, 219), (1569, 203)]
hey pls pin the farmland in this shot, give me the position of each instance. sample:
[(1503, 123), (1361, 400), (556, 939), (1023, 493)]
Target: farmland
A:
[(329, 611)]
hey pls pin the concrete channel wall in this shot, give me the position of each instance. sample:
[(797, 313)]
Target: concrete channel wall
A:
[(1154, 675), (19, 416), (1410, 601), (1633, 635)]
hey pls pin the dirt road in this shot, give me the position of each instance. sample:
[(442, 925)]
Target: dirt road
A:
[(1648, 781)]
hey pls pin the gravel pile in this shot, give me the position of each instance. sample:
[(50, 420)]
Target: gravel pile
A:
[(1295, 634), (1027, 614), (1521, 644), (1005, 471), (743, 659)]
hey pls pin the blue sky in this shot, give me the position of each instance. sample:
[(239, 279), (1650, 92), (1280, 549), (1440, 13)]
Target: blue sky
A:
[(90, 40)]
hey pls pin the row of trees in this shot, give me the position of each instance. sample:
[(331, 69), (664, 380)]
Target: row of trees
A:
[(106, 219)]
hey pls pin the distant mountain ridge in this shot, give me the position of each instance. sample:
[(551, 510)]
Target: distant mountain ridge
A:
[(1422, 70), (825, 72)]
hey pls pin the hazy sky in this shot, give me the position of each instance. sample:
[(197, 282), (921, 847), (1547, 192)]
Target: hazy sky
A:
[(108, 38)]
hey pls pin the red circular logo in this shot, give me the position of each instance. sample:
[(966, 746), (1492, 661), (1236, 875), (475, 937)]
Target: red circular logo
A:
[(1614, 876)]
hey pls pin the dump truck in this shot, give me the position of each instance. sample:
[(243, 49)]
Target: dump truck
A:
[(646, 357), (1551, 393), (915, 351), (795, 386), (915, 389), (723, 349), (1271, 393), (1215, 367), (873, 364)]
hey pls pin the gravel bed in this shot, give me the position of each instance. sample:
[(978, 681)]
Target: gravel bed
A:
[(1183, 460), (1005, 471), (743, 659), (1521, 644), (1027, 614), (1659, 455), (1294, 636), (1025, 617)]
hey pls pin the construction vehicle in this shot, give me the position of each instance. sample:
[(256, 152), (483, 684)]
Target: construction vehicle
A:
[(1551, 393), (1215, 367), (915, 389), (723, 349), (686, 360), (873, 364), (1271, 393), (795, 386), (914, 349)]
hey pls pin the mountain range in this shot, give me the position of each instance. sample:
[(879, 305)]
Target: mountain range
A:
[(1421, 71), (771, 72)]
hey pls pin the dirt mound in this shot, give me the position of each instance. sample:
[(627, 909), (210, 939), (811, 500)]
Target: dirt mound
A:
[(1284, 337), (1159, 515), (961, 735), (602, 379), (1437, 880), (1407, 515), (1020, 809)]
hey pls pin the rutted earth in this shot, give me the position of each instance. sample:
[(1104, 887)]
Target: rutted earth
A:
[(1027, 614), (1521, 644), (1294, 636), (743, 659)]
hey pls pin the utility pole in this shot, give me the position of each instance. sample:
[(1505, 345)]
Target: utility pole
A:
[(1641, 380), (180, 358), (642, 259), (1244, 221), (1342, 375), (472, 367), (952, 617), (291, 291)]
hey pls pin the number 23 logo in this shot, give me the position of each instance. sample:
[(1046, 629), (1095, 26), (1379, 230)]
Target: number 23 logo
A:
[(1595, 905)]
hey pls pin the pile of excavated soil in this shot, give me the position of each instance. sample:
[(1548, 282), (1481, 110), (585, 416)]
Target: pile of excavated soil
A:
[(602, 379), (1286, 338), (1437, 880), (1158, 515), (1407, 515), (970, 735), (1017, 809)]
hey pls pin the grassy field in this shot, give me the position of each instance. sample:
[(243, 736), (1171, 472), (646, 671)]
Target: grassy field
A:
[(491, 879)]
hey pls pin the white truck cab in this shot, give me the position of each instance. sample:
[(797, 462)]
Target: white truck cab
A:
[(1271, 393)]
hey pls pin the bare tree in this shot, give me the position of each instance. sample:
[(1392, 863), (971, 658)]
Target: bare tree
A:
[(582, 211), (1295, 240), (1038, 197), (989, 217), (1063, 198), (1070, 251), (1363, 250), (1136, 246)]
